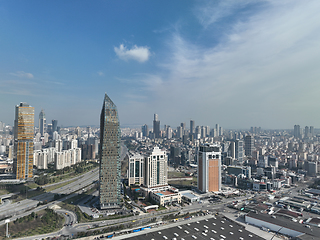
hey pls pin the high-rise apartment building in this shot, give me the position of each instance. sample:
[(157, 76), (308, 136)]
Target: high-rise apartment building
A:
[(239, 150), (311, 131), (109, 171), (156, 126), (136, 167), (248, 145), (306, 132), (23, 141), (54, 125), (192, 127), (169, 132), (296, 131), (156, 168), (42, 123), (209, 168), (145, 130)]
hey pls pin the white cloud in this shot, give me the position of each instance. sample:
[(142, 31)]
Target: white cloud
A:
[(140, 54), (22, 74), (100, 73), (265, 72), (213, 11)]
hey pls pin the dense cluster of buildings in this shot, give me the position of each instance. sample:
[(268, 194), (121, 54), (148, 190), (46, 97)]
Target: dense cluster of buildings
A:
[(261, 160), (25, 147)]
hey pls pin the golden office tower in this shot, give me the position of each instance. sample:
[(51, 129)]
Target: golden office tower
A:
[(23, 141)]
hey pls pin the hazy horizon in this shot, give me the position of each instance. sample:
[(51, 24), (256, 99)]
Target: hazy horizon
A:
[(235, 63)]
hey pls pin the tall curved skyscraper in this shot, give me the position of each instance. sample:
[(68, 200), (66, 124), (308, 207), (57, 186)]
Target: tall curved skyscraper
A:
[(110, 167)]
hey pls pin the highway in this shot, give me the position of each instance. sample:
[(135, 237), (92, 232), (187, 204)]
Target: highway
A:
[(19, 208), (140, 219)]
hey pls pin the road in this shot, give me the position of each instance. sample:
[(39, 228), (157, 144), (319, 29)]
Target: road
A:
[(139, 219), (18, 209)]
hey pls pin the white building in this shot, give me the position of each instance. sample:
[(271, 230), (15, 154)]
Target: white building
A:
[(156, 168), (136, 169), (40, 159)]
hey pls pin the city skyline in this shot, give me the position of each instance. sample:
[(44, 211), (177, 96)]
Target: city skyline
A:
[(254, 62)]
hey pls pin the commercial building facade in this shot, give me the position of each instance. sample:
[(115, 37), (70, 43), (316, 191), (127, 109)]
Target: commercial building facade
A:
[(109, 171), (23, 141), (136, 169), (209, 168)]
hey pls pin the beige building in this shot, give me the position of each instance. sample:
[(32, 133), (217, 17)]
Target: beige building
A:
[(156, 168), (136, 169), (163, 195)]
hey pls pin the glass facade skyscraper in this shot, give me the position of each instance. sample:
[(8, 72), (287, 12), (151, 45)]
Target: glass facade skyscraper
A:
[(110, 167), (23, 141), (42, 123)]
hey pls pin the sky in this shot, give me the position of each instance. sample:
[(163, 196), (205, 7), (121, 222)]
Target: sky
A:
[(238, 63)]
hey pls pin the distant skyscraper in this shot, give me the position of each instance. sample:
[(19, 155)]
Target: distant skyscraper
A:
[(311, 131), (248, 145), (296, 131), (54, 125), (145, 130), (209, 168), (192, 127), (23, 141), (306, 132), (42, 123), (179, 132), (109, 171), (156, 168), (156, 126), (239, 150), (218, 129), (169, 132)]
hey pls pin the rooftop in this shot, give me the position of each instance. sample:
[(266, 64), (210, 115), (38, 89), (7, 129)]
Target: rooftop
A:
[(216, 227), (164, 193)]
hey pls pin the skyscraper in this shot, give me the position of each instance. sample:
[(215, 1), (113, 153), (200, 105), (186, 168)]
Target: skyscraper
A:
[(209, 168), (296, 131), (311, 131), (156, 126), (192, 127), (23, 141), (145, 130), (109, 171), (54, 125), (239, 150), (306, 132), (248, 145), (42, 123), (156, 168), (135, 169)]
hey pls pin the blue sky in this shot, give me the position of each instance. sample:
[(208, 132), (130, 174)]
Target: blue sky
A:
[(236, 63)]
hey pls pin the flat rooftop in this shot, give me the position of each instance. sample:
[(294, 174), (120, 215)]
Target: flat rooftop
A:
[(283, 222), (164, 193), (215, 227), (189, 195)]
